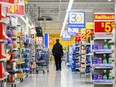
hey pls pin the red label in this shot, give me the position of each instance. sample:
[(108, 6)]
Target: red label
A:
[(8, 1), (16, 10), (104, 17), (104, 26)]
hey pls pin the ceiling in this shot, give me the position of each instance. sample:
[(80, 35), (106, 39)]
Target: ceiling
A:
[(56, 9)]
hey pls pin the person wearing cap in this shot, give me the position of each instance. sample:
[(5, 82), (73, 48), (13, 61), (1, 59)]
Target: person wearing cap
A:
[(57, 51)]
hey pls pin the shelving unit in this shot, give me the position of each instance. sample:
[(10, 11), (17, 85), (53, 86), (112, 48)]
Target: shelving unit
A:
[(102, 63), (83, 59), (76, 58)]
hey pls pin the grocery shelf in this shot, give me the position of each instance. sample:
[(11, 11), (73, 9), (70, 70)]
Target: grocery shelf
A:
[(89, 54), (3, 41), (88, 43)]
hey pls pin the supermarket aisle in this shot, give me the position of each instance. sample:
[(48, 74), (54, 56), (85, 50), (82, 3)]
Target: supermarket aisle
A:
[(64, 78)]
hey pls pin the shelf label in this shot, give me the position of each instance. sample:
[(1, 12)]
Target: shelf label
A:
[(76, 19), (16, 10)]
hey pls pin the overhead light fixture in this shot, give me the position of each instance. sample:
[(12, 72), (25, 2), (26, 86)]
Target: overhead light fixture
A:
[(66, 16)]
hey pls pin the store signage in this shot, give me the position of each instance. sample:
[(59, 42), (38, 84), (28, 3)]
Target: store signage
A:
[(104, 26), (72, 31), (83, 37), (16, 10), (21, 2), (65, 35), (46, 40), (83, 31), (51, 41), (89, 32), (103, 22), (107, 16), (89, 25), (7, 1), (76, 19), (78, 37), (103, 35)]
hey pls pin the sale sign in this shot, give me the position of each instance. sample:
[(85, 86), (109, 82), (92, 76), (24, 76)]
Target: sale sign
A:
[(104, 26), (103, 22), (16, 10), (7, 1), (89, 32), (78, 37), (83, 37)]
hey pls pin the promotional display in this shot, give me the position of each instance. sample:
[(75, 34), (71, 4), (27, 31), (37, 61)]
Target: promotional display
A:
[(76, 19), (102, 59)]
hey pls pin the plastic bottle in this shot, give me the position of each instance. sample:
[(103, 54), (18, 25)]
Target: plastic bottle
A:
[(105, 45)]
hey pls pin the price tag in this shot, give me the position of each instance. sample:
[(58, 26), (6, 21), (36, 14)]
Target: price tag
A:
[(108, 26), (104, 26), (83, 37), (16, 10), (89, 32)]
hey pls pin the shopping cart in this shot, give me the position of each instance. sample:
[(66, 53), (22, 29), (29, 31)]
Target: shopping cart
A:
[(42, 63)]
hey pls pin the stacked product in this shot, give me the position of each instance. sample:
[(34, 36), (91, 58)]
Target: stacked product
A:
[(76, 58), (102, 62)]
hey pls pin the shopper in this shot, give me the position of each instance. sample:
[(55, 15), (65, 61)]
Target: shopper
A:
[(57, 51)]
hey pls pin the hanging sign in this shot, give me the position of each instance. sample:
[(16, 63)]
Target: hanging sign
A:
[(65, 35), (103, 25), (72, 31), (16, 10), (103, 22), (76, 19)]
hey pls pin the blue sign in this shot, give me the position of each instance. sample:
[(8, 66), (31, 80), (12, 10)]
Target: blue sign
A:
[(72, 31), (46, 40), (65, 35), (76, 19)]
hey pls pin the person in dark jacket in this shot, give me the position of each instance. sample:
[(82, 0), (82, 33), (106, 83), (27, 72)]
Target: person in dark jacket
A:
[(57, 51)]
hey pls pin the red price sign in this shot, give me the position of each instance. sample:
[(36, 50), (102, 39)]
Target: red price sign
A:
[(16, 10), (7, 1), (83, 37), (104, 26), (78, 37), (89, 32)]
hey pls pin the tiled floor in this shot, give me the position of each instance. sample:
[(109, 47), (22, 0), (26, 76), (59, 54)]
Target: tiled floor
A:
[(64, 78)]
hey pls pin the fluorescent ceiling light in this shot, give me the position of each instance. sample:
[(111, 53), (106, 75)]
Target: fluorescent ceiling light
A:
[(66, 16)]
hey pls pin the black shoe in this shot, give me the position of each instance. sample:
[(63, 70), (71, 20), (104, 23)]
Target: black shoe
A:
[(60, 69), (56, 69)]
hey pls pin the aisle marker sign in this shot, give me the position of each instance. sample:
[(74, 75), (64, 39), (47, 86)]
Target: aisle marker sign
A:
[(76, 19), (16, 10), (72, 31), (65, 35)]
